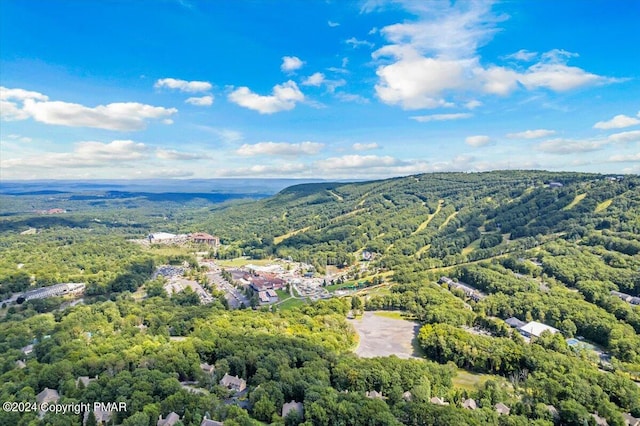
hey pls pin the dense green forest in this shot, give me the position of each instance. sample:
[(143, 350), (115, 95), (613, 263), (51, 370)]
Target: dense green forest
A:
[(537, 252)]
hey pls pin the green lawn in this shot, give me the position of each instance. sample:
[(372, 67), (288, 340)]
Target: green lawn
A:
[(242, 261), (340, 286), (381, 290), (288, 302), (472, 381), (283, 294), (291, 303)]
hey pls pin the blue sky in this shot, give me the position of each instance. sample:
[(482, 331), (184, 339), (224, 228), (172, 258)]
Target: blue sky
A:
[(327, 89)]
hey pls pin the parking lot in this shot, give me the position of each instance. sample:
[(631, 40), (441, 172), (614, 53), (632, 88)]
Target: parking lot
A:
[(384, 336)]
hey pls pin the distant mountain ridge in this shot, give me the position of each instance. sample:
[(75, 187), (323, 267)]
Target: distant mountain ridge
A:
[(239, 185)]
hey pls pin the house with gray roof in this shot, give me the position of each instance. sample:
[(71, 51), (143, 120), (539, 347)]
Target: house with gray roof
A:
[(469, 404), (171, 419), (85, 380), (207, 368), (514, 322), (233, 383), (102, 416), (209, 422), (438, 401), (502, 409), (48, 395), (374, 395), (600, 421)]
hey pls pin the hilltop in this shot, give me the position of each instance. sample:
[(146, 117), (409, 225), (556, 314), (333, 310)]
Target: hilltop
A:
[(433, 219)]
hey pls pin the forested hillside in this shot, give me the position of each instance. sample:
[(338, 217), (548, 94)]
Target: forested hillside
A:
[(534, 246)]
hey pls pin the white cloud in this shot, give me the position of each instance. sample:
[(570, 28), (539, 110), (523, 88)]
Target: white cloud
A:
[(356, 162), (625, 137), (446, 30), (574, 146), (227, 136), (9, 98), (163, 173), (316, 79), (19, 138), (436, 56), (419, 82), (462, 161), (284, 98), (522, 55), (497, 80), (174, 155), (369, 166), (505, 164), (9, 111), (201, 101), (617, 122), (333, 24), (531, 134), (625, 158), (440, 117), (86, 154), (122, 116), (183, 85), (558, 55), (559, 77), (291, 63), (472, 104), (230, 136), (569, 146), (263, 170), (20, 95), (478, 140), (280, 148), (338, 70), (355, 43), (365, 146)]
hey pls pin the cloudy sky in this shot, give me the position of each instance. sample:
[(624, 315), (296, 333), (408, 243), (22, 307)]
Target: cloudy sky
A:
[(329, 89)]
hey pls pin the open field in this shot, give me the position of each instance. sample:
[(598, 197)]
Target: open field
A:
[(384, 336), (242, 261), (291, 303), (472, 381)]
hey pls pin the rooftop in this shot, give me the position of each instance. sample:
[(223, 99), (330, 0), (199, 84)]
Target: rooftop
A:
[(535, 328)]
